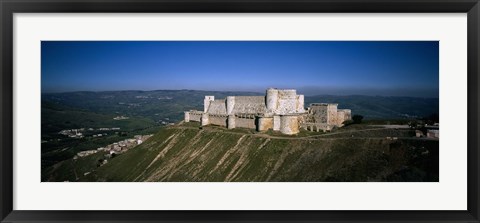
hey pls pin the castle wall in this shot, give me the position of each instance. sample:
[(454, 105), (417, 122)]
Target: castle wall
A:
[(205, 119), (249, 105), (332, 114), (187, 116), (300, 103), (324, 113), (245, 123), (195, 116), (316, 127), (347, 113), (319, 113), (340, 117), (217, 107), (231, 122), (343, 115), (264, 123), (276, 123), (218, 120)]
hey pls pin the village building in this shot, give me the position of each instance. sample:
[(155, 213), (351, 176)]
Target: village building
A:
[(279, 110)]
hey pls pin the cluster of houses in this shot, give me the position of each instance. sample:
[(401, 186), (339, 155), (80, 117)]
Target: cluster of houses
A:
[(117, 147), (73, 133), (432, 131), (120, 117), (79, 133)]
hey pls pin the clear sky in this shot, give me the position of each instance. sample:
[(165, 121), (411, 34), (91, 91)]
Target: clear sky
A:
[(388, 68)]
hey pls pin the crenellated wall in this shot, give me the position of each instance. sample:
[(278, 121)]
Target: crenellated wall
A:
[(194, 116)]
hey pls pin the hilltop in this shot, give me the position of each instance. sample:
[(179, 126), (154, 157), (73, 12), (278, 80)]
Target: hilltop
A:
[(186, 153)]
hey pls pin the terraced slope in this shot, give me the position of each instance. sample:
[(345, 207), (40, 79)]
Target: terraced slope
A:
[(204, 155)]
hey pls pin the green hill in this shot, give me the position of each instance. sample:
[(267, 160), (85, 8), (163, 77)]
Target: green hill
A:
[(183, 153)]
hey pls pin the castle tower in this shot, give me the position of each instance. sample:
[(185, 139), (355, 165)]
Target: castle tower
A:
[(300, 103), (204, 119), (287, 103), (206, 102), (187, 116), (332, 114), (230, 104), (289, 124), (272, 99)]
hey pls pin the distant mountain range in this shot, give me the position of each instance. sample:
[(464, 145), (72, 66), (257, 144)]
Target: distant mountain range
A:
[(170, 104)]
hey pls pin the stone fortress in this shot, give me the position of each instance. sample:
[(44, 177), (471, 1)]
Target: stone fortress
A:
[(280, 110)]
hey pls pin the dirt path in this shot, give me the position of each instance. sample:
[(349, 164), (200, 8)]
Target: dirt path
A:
[(316, 137)]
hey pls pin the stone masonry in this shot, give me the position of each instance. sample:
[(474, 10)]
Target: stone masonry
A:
[(280, 110)]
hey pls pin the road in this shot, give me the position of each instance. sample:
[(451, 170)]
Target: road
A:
[(316, 137)]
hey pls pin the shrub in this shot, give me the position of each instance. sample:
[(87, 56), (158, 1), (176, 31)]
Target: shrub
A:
[(357, 119)]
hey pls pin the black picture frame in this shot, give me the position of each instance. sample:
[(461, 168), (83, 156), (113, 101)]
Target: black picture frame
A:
[(9, 7)]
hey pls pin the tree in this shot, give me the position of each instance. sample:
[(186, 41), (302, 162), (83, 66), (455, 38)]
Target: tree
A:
[(357, 119), (431, 119), (413, 124)]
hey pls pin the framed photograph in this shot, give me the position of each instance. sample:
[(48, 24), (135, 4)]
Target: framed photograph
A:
[(245, 111)]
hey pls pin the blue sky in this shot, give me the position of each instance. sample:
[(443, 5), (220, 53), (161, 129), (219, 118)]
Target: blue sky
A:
[(387, 68)]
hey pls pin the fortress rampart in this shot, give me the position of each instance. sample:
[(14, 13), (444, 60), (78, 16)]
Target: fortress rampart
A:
[(280, 110)]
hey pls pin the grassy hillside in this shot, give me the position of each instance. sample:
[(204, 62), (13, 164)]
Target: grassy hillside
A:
[(187, 154)]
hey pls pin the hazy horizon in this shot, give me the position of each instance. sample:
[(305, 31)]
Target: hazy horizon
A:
[(372, 68), (306, 93)]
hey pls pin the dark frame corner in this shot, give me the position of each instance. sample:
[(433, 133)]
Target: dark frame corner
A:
[(9, 7)]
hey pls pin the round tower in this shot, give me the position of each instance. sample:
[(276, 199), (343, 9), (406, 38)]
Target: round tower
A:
[(272, 99), (230, 104), (289, 124)]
